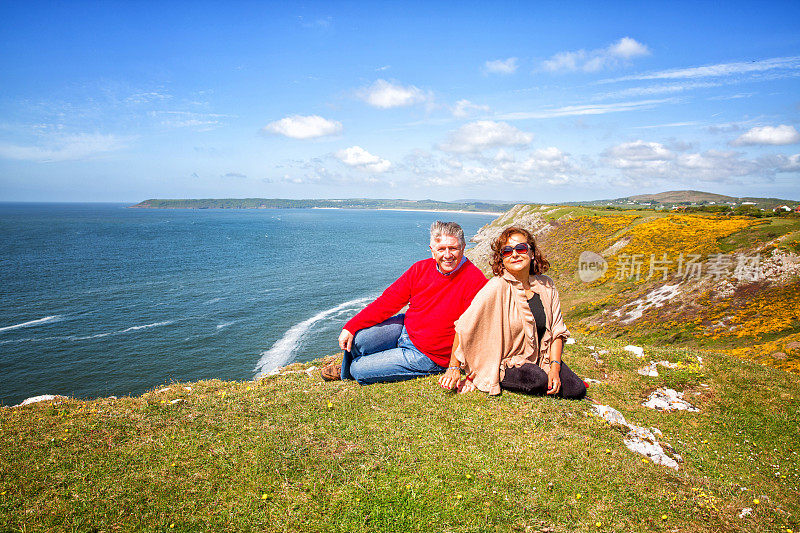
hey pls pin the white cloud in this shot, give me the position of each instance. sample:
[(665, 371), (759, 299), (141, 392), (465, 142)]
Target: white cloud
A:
[(64, 148), (385, 95), (612, 56), (501, 66), (640, 151), (238, 175), (588, 109), (483, 134), (189, 119), (464, 108), (658, 89), (543, 166), (777, 135), (628, 48), (357, 157), (304, 127), (147, 97), (644, 162), (718, 70)]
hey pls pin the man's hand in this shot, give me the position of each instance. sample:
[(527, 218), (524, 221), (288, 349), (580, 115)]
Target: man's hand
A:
[(449, 380), (345, 340)]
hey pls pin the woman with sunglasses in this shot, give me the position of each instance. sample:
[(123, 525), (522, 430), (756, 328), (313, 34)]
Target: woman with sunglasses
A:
[(512, 335)]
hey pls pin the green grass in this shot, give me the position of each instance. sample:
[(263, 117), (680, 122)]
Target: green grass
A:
[(292, 453)]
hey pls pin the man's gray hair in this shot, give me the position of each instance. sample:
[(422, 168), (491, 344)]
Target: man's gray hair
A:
[(452, 229)]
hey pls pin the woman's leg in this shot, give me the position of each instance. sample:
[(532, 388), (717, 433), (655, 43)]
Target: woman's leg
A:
[(527, 379), (531, 379), (572, 386)]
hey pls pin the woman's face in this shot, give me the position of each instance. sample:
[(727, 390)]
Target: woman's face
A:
[(517, 263)]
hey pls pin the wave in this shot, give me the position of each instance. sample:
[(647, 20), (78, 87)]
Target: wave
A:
[(284, 348), (121, 332), (45, 320), (225, 325)]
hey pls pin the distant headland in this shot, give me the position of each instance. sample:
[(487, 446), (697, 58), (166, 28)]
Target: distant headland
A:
[(350, 203), (663, 200)]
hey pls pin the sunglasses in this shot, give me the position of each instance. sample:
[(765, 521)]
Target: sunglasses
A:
[(521, 248)]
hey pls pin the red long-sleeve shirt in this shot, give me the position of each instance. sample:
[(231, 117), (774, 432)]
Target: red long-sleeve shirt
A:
[(435, 302)]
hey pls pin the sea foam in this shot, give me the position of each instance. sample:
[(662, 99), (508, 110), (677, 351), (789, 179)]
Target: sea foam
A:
[(283, 349), (38, 322)]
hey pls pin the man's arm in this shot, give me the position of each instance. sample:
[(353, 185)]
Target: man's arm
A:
[(394, 298)]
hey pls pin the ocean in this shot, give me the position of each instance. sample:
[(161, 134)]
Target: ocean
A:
[(99, 300)]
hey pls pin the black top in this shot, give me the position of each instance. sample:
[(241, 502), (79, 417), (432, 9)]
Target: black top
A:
[(539, 318)]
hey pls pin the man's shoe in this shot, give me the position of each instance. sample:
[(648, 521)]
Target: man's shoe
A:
[(331, 372)]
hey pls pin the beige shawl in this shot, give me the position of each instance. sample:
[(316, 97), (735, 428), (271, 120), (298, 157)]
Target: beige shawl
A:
[(498, 330)]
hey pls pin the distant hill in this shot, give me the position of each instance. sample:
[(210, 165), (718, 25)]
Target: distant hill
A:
[(682, 196), (348, 203), (671, 199)]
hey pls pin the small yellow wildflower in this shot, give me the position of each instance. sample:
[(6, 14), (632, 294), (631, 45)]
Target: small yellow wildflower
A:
[(408, 486), (469, 476), (330, 405), (598, 524), (663, 517), (756, 501), (171, 526), (578, 496), (458, 496), (608, 450), (264, 496)]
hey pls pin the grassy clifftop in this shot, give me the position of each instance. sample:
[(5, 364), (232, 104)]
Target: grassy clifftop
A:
[(292, 453)]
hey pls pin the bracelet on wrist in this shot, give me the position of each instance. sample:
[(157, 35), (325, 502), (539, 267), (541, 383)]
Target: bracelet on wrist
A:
[(453, 368), (554, 361)]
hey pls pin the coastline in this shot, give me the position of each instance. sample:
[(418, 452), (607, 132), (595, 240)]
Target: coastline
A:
[(460, 211)]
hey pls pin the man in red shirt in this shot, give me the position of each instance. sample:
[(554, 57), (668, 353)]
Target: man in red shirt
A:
[(380, 346)]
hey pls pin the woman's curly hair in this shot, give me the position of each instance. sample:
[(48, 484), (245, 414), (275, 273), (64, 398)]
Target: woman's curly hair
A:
[(539, 264)]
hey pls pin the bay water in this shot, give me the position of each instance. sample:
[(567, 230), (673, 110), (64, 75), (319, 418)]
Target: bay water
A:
[(99, 299)]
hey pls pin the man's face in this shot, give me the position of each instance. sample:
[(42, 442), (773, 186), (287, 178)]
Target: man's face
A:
[(447, 252)]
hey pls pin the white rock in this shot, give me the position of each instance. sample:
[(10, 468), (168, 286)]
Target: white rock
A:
[(610, 414), (665, 399), (42, 398), (652, 371), (640, 440), (570, 341), (176, 400), (638, 351), (163, 390), (590, 380), (649, 370), (747, 511), (310, 370), (187, 389), (643, 441)]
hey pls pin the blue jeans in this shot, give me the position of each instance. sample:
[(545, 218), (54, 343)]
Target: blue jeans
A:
[(384, 353)]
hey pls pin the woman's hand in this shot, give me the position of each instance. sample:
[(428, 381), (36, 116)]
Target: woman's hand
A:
[(553, 379), (449, 380)]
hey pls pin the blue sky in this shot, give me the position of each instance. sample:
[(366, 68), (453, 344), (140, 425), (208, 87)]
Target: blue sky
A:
[(515, 101)]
